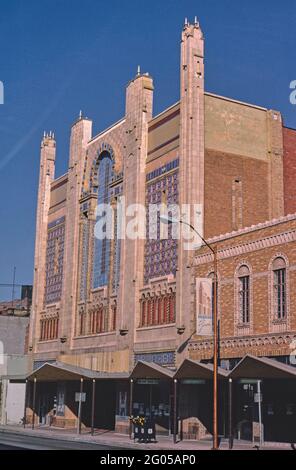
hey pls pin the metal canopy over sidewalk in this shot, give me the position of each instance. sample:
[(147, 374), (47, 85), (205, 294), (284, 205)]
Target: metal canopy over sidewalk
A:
[(249, 367), (50, 372), (196, 370), (252, 367), (150, 370)]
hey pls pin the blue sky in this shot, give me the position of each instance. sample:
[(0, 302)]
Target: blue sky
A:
[(60, 56)]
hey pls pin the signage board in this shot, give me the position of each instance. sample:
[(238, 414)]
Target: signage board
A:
[(193, 382), (204, 306), (82, 395), (148, 381), (258, 397)]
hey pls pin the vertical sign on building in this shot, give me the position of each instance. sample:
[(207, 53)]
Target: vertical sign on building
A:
[(204, 306)]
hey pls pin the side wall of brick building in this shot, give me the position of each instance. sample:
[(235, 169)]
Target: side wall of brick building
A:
[(289, 170)]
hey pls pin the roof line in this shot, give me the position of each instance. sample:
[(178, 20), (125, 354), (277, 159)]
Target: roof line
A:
[(267, 361), (164, 111), (253, 228), (65, 175), (208, 367), (105, 131), (244, 103)]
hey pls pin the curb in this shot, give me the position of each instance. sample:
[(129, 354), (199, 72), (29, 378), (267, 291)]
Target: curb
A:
[(133, 445)]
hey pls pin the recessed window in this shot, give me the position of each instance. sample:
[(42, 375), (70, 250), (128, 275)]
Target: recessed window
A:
[(244, 295), (280, 288)]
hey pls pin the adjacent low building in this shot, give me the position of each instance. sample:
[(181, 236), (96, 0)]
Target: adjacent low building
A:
[(256, 307), (15, 365)]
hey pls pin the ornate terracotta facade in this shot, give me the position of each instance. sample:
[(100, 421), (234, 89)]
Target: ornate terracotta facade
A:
[(115, 300)]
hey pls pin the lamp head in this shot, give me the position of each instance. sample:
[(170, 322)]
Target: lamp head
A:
[(165, 219)]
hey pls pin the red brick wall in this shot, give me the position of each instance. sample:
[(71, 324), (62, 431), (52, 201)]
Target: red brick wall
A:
[(290, 170), (221, 170), (261, 311)]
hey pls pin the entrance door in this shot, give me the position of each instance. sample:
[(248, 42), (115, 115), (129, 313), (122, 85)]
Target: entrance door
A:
[(105, 405), (246, 411)]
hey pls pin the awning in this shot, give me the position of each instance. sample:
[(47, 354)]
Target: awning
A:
[(52, 372), (190, 369), (149, 370), (252, 367)]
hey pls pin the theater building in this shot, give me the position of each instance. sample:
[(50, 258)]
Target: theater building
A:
[(103, 305)]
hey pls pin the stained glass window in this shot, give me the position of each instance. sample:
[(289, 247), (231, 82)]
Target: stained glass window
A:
[(102, 245)]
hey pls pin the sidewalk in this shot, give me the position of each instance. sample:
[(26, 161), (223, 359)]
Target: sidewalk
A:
[(112, 439)]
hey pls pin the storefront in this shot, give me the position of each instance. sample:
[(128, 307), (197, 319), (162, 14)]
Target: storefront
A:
[(264, 400), (152, 395), (66, 396), (195, 400), (256, 400)]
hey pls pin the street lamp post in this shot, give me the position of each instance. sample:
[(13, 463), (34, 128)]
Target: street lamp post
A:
[(170, 220)]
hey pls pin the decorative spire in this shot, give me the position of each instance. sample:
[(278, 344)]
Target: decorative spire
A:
[(196, 22), (80, 114), (138, 71), (186, 22)]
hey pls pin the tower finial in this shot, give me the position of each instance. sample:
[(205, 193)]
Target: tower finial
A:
[(186, 22), (44, 134), (196, 22), (138, 71), (80, 114)]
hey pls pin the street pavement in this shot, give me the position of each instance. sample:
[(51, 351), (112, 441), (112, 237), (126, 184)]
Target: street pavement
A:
[(47, 438), (17, 441)]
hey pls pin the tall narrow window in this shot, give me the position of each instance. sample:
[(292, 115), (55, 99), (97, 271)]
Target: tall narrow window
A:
[(114, 311), (102, 245), (280, 288), (244, 293), (143, 306)]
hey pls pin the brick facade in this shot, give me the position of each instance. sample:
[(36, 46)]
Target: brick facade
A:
[(289, 169), (255, 248)]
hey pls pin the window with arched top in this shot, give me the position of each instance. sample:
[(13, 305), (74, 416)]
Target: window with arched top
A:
[(114, 315), (244, 294), (279, 272), (157, 309), (101, 264)]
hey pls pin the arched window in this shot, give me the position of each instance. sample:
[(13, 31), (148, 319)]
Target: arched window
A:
[(279, 271), (244, 295), (114, 312), (81, 323), (159, 310), (148, 313), (102, 245), (143, 308), (172, 309)]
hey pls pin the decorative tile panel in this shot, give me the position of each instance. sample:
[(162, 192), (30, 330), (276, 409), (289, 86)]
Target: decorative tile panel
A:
[(54, 261), (161, 255)]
